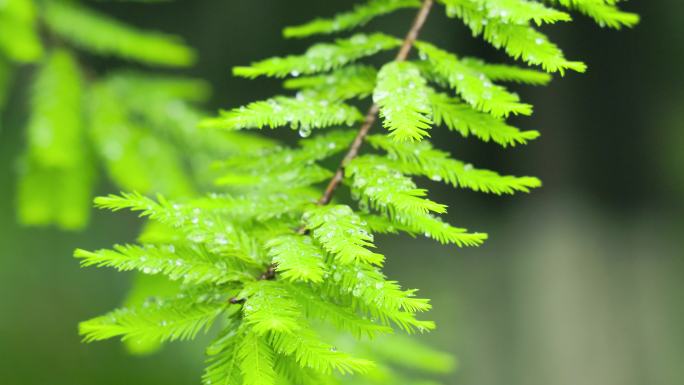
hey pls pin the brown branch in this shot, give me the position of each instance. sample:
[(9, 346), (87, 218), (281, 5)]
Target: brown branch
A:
[(371, 117), (372, 114)]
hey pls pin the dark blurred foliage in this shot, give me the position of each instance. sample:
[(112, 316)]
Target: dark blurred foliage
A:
[(581, 282)]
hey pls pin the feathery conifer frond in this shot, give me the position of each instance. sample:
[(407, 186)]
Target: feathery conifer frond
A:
[(313, 149), (604, 12), (211, 230), (275, 256), (223, 364), (290, 372), (136, 124), (270, 308), (443, 232), (354, 81), (517, 40), (302, 112), (281, 169), (340, 316), (393, 194), (321, 57), (508, 73), (342, 233), (258, 206), (191, 264), (297, 259), (256, 364), (403, 97), (473, 86), (422, 159), (177, 319), (106, 36), (359, 16), (380, 224), (368, 290), (520, 11), (460, 117), (144, 289), (276, 181), (55, 184), (385, 188), (310, 352)]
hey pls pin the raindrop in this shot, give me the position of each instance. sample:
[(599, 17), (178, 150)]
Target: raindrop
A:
[(305, 132)]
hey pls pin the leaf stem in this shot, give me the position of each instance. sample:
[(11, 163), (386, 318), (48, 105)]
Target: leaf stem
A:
[(372, 114)]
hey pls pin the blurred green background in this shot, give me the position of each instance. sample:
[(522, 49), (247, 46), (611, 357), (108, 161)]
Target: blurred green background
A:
[(581, 282)]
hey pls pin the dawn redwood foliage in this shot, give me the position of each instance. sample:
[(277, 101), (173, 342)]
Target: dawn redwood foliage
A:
[(281, 265), (136, 127)]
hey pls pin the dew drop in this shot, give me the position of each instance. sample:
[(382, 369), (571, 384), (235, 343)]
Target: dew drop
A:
[(305, 132)]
